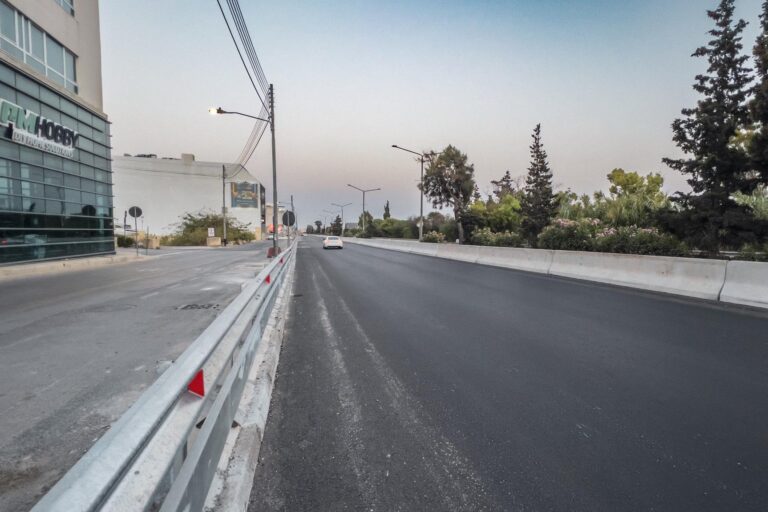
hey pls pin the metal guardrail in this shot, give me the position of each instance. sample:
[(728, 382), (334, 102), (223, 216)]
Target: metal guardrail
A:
[(163, 452)]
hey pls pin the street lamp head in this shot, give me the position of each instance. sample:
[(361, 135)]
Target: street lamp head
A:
[(215, 110), (395, 146)]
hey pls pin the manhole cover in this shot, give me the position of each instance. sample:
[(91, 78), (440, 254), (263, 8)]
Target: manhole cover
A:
[(199, 306)]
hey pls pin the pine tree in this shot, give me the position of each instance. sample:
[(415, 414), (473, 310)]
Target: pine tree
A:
[(538, 204), (758, 146), (386, 211), (503, 186), (717, 167)]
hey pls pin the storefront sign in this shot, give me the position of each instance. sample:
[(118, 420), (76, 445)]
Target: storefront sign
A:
[(33, 130)]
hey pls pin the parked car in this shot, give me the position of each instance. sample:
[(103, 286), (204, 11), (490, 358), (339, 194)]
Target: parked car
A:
[(333, 242)]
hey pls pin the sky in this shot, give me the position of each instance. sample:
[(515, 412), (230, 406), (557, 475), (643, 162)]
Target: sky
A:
[(605, 79)]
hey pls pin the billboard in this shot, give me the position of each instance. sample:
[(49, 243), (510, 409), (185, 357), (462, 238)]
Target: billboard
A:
[(244, 195)]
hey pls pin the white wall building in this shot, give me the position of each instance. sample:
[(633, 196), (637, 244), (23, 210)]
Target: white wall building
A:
[(167, 188)]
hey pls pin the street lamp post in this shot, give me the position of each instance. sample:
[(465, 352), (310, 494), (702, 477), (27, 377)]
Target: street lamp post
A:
[(342, 215), (364, 191), (271, 121), (325, 230), (421, 205)]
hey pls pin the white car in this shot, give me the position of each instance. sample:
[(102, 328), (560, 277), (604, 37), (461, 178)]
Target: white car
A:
[(333, 242)]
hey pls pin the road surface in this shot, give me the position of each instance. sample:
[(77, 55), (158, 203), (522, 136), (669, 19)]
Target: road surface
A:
[(414, 383), (76, 349)]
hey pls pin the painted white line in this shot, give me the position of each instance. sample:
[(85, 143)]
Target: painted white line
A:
[(149, 295)]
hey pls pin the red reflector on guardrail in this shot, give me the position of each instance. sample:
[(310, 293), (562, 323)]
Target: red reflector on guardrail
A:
[(268, 279), (197, 385), (281, 259)]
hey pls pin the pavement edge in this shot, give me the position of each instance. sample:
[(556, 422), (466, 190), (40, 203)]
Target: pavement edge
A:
[(232, 484)]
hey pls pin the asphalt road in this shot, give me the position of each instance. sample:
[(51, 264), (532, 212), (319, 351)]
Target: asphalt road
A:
[(76, 350), (413, 383)]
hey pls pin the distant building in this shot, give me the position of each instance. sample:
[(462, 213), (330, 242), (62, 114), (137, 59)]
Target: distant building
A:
[(55, 175), (168, 188)]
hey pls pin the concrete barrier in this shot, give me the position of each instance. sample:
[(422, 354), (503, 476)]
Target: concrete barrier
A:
[(530, 260), (737, 282), (469, 253), (682, 276), (746, 282)]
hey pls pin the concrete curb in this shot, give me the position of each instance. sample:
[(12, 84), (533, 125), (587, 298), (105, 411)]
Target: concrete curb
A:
[(232, 484), (10, 273), (734, 282)]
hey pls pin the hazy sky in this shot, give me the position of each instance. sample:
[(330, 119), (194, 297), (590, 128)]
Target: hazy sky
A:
[(605, 78)]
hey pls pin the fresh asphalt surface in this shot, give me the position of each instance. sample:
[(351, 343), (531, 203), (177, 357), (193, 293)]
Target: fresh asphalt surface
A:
[(414, 383), (78, 348)]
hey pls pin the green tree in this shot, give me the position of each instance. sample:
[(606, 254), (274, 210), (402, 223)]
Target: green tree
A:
[(716, 168), (319, 225), (504, 186), (539, 204), (450, 181), (758, 107), (336, 226), (386, 211)]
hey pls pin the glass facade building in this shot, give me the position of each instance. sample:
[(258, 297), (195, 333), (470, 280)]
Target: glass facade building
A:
[(55, 177)]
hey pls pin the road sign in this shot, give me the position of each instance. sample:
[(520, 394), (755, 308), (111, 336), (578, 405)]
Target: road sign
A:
[(134, 211), (211, 232), (289, 219)]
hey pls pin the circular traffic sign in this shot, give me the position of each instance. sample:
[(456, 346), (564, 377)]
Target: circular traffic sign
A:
[(289, 219), (134, 211)]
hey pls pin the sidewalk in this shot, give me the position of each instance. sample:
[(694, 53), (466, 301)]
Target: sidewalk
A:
[(22, 270)]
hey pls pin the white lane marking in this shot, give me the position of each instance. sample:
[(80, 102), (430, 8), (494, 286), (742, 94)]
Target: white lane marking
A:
[(448, 468), (152, 294), (350, 405)]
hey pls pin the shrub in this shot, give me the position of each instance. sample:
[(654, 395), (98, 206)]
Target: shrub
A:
[(569, 235), (485, 236), (634, 240), (124, 241), (751, 252), (433, 237)]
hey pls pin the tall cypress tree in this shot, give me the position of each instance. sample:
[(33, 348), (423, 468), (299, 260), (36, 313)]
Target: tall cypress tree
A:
[(716, 168), (538, 204), (758, 146)]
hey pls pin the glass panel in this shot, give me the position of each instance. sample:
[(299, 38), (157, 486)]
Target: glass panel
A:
[(54, 207), (31, 173), (36, 65), (5, 186), (70, 71), (54, 178), (38, 43), (59, 79), (72, 195), (54, 192), (30, 189), (72, 182), (10, 169), (7, 22), (11, 48), (55, 55), (32, 205)]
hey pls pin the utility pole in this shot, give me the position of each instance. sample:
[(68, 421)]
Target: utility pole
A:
[(274, 169), (224, 202), (421, 186)]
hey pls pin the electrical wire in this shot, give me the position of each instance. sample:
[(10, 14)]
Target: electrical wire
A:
[(237, 47)]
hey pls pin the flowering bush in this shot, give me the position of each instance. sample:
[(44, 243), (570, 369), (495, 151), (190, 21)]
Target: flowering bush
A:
[(433, 237), (569, 235), (485, 236), (591, 235), (634, 240)]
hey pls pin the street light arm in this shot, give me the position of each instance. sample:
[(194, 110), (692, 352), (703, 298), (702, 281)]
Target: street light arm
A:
[(422, 155), (220, 110)]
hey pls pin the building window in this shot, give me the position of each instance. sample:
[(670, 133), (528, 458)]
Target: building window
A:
[(67, 5), (25, 42)]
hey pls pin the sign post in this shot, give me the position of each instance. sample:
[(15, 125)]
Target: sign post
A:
[(135, 212)]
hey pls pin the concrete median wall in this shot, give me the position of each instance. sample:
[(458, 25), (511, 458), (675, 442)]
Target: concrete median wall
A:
[(746, 282), (735, 282), (681, 276)]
